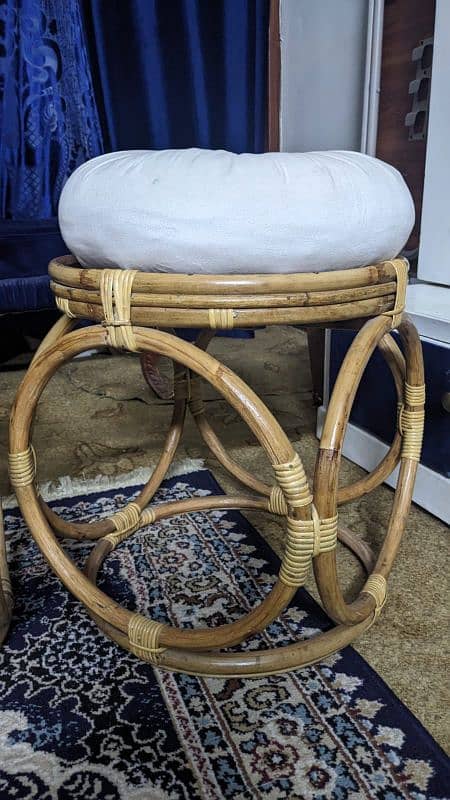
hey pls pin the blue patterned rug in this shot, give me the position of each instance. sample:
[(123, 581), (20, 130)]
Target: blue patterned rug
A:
[(80, 718)]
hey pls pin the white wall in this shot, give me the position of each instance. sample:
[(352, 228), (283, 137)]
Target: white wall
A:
[(323, 54), (434, 251)]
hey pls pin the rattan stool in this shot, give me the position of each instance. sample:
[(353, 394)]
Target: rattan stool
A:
[(126, 307)]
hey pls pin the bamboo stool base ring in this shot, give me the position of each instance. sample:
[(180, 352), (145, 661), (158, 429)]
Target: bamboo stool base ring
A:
[(312, 527)]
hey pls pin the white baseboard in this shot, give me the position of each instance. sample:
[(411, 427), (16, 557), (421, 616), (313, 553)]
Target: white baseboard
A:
[(432, 490)]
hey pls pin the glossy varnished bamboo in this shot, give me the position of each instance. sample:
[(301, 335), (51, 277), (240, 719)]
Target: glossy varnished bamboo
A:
[(245, 317), (174, 300), (346, 298), (64, 270), (327, 465), (415, 376), (244, 400), (395, 360)]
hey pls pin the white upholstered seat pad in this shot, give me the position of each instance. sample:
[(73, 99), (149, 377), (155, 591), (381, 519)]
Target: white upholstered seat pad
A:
[(210, 211)]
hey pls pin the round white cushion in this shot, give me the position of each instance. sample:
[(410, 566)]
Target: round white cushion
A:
[(211, 211)]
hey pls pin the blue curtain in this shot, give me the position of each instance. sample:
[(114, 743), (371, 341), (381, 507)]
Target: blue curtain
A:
[(81, 77), (184, 73), (49, 124), (48, 116)]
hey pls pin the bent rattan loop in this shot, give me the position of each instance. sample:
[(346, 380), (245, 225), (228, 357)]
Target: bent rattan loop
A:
[(63, 304), (292, 479), (143, 635), (401, 267), (22, 467), (277, 503), (305, 540), (115, 291), (221, 318)]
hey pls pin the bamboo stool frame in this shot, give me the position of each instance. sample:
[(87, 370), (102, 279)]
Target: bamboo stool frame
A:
[(127, 308)]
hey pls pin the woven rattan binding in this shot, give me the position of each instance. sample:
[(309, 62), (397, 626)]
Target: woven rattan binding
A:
[(63, 305), (376, 586), (221, 318), (277, 504), (291, 478), (22, 467), (115, 292), (305, 540), (125, 521), (143, 635), (411, 421), (401, 267)]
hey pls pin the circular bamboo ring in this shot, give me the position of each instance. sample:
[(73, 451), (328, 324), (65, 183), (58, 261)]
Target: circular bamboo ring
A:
[(350, 540), (209, 436), (328, 459), (226, 301), (395, 360), (253, 411), (353, 491), (253, 663), (95, 530)]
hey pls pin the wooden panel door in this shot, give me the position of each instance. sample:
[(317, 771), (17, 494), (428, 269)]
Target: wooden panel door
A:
[(406, 24)]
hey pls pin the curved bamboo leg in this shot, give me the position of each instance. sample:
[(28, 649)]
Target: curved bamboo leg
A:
[(358, 547), (415, 377), (350, 540), (105, 546), (240, 397), (116, 621), (62, 326), (250, 664), (100, 528), (96, 530), (197, 407), (395, 360), (6, 595), (215, 445), (328, 460)]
